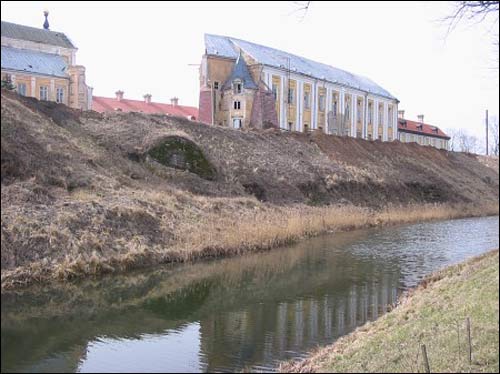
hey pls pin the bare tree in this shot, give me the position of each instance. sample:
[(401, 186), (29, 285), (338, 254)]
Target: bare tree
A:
[(453, 134), (461, 141), (472, 11), (467, 143), (476, 12), (493, 129), (302, 7)]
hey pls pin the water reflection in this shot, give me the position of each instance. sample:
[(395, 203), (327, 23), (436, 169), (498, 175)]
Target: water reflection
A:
[(242, 313)]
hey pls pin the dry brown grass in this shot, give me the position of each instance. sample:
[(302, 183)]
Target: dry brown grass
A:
[(75, 203), (228, 235)]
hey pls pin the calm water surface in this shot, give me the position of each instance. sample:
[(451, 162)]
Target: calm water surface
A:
[(249, 312)]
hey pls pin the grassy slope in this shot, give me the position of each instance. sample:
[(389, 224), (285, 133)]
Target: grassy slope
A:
[(433, 315), (79, 197)]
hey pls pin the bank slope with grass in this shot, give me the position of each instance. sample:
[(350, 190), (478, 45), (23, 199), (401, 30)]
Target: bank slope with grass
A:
[(87, 193), (433, 315)]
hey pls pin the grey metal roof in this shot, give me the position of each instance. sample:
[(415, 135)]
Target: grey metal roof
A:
[(240, 71), (228, 47), (32, 34), (33, 62)]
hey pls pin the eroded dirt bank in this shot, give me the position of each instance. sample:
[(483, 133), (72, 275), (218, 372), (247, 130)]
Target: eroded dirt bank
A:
[(84, 193)]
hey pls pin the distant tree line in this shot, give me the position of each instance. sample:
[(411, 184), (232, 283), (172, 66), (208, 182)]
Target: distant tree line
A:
[(462, 141)]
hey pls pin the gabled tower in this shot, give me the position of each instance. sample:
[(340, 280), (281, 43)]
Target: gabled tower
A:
[(238, 93)]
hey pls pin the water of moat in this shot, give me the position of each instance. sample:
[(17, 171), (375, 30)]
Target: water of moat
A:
[(245, 313)]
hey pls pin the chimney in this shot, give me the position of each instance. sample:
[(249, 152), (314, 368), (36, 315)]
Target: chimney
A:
[(147, 98), (174, 101), (46, 23), (401, 114), (119, 95), (420, 118)]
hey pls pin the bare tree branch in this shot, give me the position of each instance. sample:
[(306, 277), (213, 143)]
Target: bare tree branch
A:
[(302, 7), (472, 11)]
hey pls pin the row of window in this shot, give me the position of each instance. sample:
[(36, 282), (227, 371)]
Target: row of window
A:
[(307, 105), (423, 140), (44, 92)]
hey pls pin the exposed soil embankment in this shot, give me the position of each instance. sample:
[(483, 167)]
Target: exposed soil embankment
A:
[(84, 193)]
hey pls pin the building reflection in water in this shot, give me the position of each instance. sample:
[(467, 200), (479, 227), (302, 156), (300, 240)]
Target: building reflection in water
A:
[(248, 312)]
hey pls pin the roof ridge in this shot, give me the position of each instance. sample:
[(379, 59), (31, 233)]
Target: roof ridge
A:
[(35, 28), (36, 35), (302, 65)]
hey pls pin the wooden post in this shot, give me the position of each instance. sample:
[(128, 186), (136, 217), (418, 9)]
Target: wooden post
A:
[(469, 339), (426, 359)]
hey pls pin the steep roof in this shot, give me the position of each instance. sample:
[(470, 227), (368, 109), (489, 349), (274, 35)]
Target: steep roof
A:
[(33, 34), (33, 62), (108, 104), (240, 71), (228, 47), (405, 125)]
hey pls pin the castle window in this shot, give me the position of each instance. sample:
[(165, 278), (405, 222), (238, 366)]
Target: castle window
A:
[(335, 109), (307, 100), (21, 89), (291, 96), (275, 92), (321, 103), (359, 112), (237, 105), (44, 93), (60, 95), (216, 85)]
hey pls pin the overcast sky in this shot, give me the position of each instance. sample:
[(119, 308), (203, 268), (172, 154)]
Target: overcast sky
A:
[(142, 47)]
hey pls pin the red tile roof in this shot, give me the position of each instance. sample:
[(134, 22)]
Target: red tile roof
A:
[(414, 127), (107, 104)]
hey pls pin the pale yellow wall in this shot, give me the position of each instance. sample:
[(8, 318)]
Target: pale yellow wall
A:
[(292, 107), (423, 140), (370, 118), (359, 120), (27, 81), (380, 113), (335, 99), (219, 69), (348, 115), (321, 113), (277, 82), (306, 112), (390, 123)]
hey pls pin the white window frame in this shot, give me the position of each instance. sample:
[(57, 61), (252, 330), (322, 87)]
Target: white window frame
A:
[(20, 91), (321, 102), (307, 100), (60, 95), (291, 95), (45, 90), (275, 91)]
